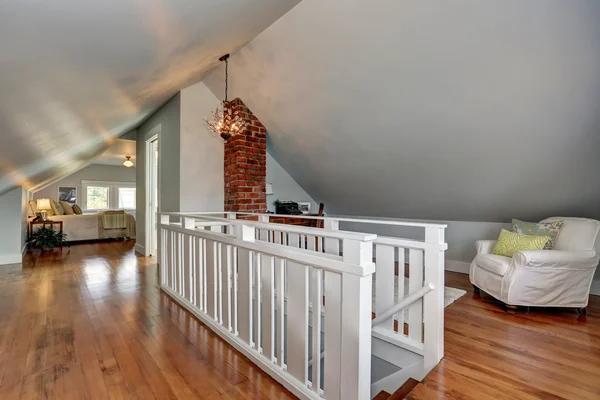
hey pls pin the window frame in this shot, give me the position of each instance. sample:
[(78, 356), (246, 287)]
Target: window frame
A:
[(113, 194)]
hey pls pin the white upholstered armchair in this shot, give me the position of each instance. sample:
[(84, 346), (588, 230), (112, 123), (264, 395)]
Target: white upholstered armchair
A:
[(561, 277)]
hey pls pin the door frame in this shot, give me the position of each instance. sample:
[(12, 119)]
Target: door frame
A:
[(154, 136)]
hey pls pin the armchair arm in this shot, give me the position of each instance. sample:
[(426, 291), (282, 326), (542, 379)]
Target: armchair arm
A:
[(556, 259), (485, 246)]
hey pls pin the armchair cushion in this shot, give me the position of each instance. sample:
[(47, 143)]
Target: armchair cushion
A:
[(493, 263), (576, 233)]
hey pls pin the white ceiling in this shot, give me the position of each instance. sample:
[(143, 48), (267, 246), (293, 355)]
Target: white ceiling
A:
[(116, 152), (74, 74), (453, 110)]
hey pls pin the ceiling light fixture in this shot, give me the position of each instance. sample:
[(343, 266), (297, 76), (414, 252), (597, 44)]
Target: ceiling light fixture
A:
[(226, 121), (128, 163)]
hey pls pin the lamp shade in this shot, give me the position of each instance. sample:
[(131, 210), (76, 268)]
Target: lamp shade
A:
[(128, 163), (43, 204)]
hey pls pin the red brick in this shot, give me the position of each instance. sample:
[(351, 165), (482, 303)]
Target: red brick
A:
[(245, 165)]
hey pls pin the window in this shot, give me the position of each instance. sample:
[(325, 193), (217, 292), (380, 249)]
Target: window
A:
[(97, 197), (108, 195), (127, 198)]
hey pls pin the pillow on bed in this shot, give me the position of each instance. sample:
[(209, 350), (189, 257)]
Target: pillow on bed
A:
[(31, 208), (77, 210), (57, 208), (67, 209)]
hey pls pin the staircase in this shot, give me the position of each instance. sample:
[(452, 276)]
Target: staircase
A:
[(299, 302), (401, 393)]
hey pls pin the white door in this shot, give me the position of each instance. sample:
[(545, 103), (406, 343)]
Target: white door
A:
[(154, 199), (152, 183)]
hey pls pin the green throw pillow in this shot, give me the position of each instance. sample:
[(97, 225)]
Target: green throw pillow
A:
[(510, 242), (77, 210), (550, 229), (57, 208)]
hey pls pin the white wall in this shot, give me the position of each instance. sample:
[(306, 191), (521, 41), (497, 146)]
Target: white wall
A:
[(460, 236), (201, 153), (190, 158), (13, 217), (285, 187), (93, 172), (167, 117)]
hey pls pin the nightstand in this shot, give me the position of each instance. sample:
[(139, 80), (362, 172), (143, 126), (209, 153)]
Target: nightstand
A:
[(44, 223)]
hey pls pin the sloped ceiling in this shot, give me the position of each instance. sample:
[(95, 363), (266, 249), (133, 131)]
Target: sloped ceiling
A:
[(74, 74), (455, 110), (116, 152)]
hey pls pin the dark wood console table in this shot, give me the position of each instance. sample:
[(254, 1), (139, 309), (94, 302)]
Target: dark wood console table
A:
[(44, 223)]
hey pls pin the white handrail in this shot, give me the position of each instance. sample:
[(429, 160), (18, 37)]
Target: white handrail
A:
[(323, 261), (408, 300), (328, 218), (283, 227)]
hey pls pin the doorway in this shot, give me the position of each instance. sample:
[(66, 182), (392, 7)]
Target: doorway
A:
[(152, 183)]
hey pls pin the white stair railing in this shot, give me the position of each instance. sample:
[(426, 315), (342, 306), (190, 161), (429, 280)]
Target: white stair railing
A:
[(423, 319), (256, 296), (403, 266)]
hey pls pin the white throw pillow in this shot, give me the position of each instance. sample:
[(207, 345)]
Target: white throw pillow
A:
[(68, 210)]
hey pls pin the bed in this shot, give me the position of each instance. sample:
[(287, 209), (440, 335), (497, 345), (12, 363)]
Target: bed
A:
[(91, 227)]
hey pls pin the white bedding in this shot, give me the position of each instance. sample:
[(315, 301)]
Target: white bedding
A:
[(79, 227)]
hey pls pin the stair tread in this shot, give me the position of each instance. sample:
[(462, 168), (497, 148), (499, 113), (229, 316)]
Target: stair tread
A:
[(383, 395), (405, 389), (422, 392)]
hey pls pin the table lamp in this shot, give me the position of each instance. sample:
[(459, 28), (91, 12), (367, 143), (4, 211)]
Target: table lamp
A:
[(43, 205)]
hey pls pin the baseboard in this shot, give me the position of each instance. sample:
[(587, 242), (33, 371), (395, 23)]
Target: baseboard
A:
[(595, 289), (140, 249), (458, 266), (15, 258)]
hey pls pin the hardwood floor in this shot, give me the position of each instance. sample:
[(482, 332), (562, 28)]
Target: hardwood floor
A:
[(91, 323), (489, 354)]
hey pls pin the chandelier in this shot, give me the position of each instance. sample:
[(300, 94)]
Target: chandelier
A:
[(225, 120)]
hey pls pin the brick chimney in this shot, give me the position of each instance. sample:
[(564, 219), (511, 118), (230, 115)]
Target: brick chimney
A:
[(246, 165)]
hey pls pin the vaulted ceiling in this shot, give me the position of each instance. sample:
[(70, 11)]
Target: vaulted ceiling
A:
[(74, 74), (463, 110)]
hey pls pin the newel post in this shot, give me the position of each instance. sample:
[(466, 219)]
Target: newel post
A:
[(356, 322), (433, 302)]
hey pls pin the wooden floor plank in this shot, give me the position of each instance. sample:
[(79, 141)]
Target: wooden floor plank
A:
[(91, 322)]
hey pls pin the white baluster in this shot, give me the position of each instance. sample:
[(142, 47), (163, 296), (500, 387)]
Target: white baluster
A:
[(384, 281), (268, 305), (297, 321), (226, 286), (257, 300), (317, 306), (310, 242), (211, 278), (401, 294), (187, 267), (415, 283), (281, 312), (245, 295), (199, 268), (333, 333)]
